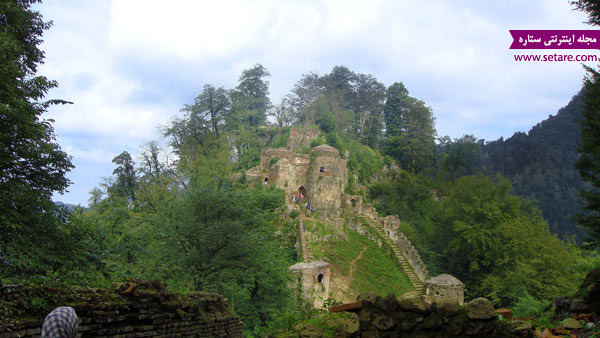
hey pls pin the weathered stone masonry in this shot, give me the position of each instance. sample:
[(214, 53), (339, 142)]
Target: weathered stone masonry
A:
[(138, 309), (317, 181)]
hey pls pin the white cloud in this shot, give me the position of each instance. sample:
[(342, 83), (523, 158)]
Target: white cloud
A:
[(130, 65)]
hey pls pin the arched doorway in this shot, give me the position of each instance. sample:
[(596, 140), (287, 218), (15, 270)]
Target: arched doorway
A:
[(320, 278), (266, 180), (301, 193)]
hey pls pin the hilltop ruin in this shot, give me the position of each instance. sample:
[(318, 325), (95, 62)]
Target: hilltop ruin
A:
[(314, 179)]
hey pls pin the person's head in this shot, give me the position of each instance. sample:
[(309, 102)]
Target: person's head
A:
[(62, 322)]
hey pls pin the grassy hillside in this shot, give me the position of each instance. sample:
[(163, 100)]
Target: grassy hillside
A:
[(359, 265)]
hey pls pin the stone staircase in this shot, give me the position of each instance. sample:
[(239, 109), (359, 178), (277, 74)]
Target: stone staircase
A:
[(307, 254), (410, 272)]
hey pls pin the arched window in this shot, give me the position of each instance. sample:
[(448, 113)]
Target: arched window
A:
[(320, 278)]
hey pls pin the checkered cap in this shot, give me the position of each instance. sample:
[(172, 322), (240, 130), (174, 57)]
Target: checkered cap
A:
[(60, 323)]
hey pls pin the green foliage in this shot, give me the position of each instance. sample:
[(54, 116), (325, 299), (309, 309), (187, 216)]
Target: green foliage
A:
[(410, 130), (32, 165), (125, 184), (462, 158), (250, 99), (363, 160), (588, 163), (317, 142), (325, 119), (375, 271), (281, 138), (529, 307), (210, 109), (273, 160), (499, 245), (540, 166), (379, 273)]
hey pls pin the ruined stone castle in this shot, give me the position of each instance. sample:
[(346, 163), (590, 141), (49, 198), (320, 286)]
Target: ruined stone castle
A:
[(315, 178)]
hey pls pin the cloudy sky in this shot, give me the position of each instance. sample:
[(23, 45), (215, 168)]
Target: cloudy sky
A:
[(130, 65)]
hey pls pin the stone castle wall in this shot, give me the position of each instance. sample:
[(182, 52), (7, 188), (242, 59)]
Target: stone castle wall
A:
[(137, 309), (300, 139), (391, 227), (316, 180)]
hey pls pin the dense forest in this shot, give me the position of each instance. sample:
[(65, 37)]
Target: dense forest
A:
[(185, 213), (540, 166)]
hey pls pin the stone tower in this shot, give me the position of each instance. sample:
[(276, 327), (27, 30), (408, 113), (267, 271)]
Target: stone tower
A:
[(313, 277), (327, 176)]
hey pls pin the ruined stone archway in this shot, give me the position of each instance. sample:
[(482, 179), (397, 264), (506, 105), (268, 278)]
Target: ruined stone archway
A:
[(301, 192)]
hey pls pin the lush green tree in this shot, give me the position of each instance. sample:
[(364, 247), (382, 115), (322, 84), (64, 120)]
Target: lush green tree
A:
[(151, 165), (499, 245), (410, 130), (368, 103), (96, 196), (462, 158), (209, 109), (250, 99), (32, 165), (223, 240), (126, 181)]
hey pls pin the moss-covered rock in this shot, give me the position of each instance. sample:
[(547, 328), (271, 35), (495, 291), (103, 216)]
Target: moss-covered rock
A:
[(480, 308)]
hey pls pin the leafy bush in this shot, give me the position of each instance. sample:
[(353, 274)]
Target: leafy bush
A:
[(529, 307)]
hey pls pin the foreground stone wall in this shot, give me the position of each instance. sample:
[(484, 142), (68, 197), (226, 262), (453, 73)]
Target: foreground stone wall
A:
[(415, 317), (135, 309)]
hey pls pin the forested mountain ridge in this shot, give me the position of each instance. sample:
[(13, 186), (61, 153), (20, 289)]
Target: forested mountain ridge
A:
[(540, 166)]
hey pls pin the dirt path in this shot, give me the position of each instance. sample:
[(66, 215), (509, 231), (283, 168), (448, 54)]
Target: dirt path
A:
[(353, 263)]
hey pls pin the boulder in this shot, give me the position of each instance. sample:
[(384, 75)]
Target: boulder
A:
[(563, 302), (415, 304), (522, 328), (383, 322), (480, 308), (579, 305), (446, 307), (388, 304)]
